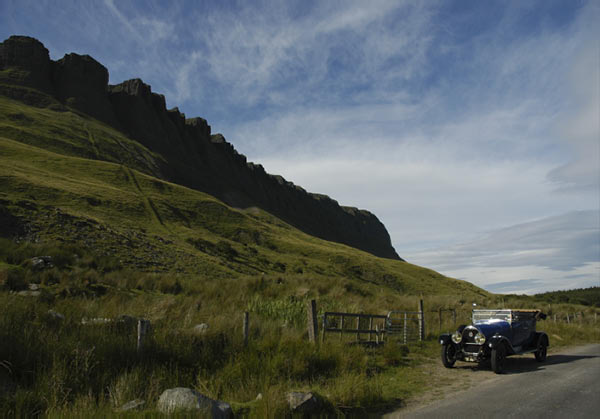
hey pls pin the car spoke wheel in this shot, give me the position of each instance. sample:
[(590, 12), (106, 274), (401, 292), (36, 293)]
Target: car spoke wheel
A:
[(540, 354), (498, 358), (448, 355)]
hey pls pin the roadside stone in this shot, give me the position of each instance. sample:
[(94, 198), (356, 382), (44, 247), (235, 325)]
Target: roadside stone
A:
[(303, 402), (132, 405), (182, 398)]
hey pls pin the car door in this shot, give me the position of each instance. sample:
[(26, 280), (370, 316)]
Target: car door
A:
[(522, 328)]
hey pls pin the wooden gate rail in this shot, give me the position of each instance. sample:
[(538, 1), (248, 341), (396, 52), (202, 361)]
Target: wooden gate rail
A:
[(356, 328)]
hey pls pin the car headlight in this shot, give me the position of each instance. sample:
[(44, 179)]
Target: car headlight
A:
[(456, 337), (479, 339)]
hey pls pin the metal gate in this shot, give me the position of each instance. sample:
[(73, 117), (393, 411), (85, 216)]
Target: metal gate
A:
[(407, 326), (359, 324)]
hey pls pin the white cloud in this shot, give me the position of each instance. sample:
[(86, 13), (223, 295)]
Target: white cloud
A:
[(552, 253), (443, 126), (579, 127)]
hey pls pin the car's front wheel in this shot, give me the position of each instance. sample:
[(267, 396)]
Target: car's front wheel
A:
[(498, 358), (448, 355), (542, 351)]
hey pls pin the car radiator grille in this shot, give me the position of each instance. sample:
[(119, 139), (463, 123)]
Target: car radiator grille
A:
[(471, 348), (469, 344)]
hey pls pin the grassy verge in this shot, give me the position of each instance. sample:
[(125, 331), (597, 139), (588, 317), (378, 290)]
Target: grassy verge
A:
[(62, 367)]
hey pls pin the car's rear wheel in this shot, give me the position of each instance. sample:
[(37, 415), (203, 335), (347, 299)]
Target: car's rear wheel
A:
[(498, 358), (448, 355), (542, 350)]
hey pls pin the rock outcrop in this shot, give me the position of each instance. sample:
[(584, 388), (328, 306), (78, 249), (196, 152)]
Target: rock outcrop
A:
[(186, 399), (81, 82), (193, 156), (30, 59)]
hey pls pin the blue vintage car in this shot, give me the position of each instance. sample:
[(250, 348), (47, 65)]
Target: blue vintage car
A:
[(494, 335)]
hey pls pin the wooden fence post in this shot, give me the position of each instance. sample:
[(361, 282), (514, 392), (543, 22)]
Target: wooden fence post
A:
[(454, 316), (312, 321), (554, 318), (246, 327), (568, 320), (440, 316), (421, 321), (142, 328)]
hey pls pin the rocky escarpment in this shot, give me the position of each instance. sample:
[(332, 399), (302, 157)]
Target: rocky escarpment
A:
[(194, 157)]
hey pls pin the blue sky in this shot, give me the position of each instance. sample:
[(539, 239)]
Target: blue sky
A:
[(470, 128)]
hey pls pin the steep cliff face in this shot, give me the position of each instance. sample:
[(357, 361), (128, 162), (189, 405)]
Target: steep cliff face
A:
[(194, 157)]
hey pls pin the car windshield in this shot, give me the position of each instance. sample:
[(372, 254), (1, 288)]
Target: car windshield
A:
[(491, 315)]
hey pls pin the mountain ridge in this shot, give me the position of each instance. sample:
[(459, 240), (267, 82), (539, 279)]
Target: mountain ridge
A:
[(190, 154)]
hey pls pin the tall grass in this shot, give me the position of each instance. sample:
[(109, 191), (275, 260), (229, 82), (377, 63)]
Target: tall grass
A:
[(59, 367)]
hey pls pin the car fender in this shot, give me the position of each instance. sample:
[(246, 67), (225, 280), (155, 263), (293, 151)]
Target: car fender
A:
[(496, 340), (446, 338), (542, 335)]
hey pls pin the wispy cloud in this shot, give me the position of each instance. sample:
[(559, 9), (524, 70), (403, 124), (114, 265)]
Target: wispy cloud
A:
[(552, 253), (446, 119)]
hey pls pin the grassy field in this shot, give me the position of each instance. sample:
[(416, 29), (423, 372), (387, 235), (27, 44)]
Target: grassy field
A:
[(122, 241), (57, 367)]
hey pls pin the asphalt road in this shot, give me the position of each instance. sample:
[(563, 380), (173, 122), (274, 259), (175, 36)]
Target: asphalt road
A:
[(567, 385)]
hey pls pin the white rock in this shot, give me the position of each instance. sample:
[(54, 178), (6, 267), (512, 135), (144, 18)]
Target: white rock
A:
[(182, 398)]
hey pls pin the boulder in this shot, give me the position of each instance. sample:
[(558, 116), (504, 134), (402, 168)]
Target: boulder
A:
[(303, 402), (181, 398)]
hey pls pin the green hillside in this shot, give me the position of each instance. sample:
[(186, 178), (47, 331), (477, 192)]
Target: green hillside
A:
[(73, 179), (583, 296)]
